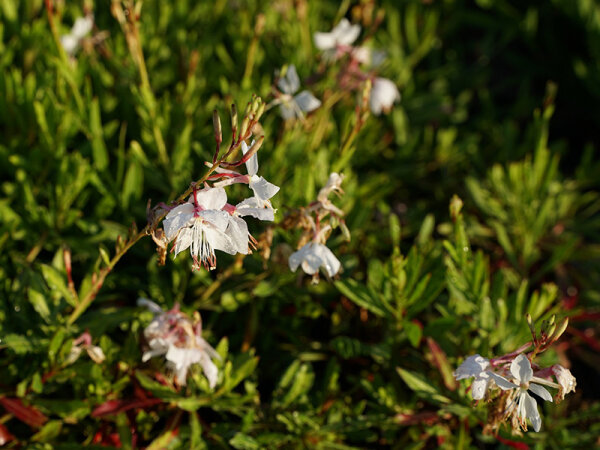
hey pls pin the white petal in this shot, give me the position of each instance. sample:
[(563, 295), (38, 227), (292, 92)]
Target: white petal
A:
[(471, 367), (324, 41), (263, 190), (207, 348), (478, 388), (210, 370), (238, 233), (184, 240), (502, 382), (520, 368), (306, 101), (531, 411), (345, 33), (73, 354), (297, 257), (70, 43), (540, 391), (82, 26), (211, 198), (252, 163), (217, 218), (267, 214), (179, 217), (219, 240), (95, 353), (287, 110), (290, 83), (383, 95), (565, 379), (328, 260), (153, 307)]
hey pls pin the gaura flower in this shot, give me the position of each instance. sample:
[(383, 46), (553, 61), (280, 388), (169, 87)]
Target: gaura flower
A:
[(313, 256), (258, 206), (81, 28), (475, 366), (176, 336), (368, 56), (525, 404), (384, 94), (84, 342), (203, 226), (565, 379), (334, 184), (343, 35), (292, 106)]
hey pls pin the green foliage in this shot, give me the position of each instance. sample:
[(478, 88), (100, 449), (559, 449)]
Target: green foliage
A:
[(363, 361)]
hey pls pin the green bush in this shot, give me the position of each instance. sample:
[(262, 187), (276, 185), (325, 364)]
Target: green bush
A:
[(468, 223)]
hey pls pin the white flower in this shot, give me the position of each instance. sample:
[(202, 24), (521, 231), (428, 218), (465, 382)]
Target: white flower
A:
[(258, 206), (294, 106), (526, 407), (566, 380), (174, 335), (369, 57), (475, 366), (343, 34), (312, 256), (81, 28), (202, 226), (84, 342), (383, 95)]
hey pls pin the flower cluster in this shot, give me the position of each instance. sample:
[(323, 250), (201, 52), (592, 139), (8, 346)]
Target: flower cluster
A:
[(206, 221), (517, 378), (313, 253), (338, 43), (179, 338)]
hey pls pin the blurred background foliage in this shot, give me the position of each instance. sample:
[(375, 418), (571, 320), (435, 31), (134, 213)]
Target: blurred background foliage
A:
[(498, 121)]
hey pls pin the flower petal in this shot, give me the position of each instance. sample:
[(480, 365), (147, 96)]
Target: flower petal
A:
[(210, 370), (298, 256), (290, 83), (179, 217), (521, 369), (324, 41), (153, 307), (184, 240), (383, 95), (328, 260), (211, 198), (263, 190), (237, 231), (471, 367), (479, 387), (287, 110), (531, 411), (345, 33), (267, 214), (502, 382), (307, 102), (217, 218), (252, 163), (540, 391), (219, 240)]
